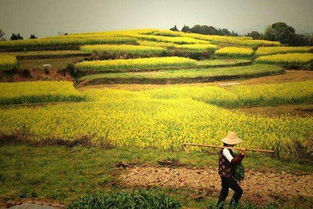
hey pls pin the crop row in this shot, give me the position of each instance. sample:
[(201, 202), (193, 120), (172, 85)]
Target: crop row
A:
[(61, 43), (137, 64), (282, 49), (290, 58), (235, 51), (118, 50)]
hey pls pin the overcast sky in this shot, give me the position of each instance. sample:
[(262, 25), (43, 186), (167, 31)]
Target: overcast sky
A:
[(48, 17)]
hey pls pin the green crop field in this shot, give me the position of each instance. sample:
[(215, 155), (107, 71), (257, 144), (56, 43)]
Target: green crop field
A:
[(183, 76)]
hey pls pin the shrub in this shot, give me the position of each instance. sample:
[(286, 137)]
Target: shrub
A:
[(148, 199)]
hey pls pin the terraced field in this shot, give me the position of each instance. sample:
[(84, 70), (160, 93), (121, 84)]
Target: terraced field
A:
[(183, 75), (150, 121)]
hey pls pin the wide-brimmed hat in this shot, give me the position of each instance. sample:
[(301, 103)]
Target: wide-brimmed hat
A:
[(232, 138)]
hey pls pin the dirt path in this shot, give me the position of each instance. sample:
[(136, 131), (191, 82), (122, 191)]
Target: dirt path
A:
[(258, 187)]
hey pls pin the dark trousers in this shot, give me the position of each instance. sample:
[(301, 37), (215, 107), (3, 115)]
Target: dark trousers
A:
[(227, 183)]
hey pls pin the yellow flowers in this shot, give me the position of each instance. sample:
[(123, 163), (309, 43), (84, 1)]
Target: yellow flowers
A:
[(135, 50), (175, 40), (290, 58), (164, 117), (282, 49), (215, 38), (144, 36), (38, 92), (7, 62), (197, 47), (234, 51), (135, 64), (66, 42)]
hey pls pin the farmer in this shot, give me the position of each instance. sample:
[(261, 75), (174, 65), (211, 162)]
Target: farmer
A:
[(227, 163)]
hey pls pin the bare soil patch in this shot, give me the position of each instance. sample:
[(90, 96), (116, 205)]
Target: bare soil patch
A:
[(302, 110), (290, 75), (258, 187)]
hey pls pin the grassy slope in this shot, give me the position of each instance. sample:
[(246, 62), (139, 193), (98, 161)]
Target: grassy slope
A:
[(181, 76), (58, 63), (63, 174)]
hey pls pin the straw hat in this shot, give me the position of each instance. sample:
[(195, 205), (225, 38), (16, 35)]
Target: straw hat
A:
[(232, 138)]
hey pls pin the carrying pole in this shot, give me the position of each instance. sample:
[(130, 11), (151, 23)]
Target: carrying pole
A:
[(216, 146)]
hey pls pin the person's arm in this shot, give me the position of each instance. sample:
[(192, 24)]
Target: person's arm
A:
[(230, 158)]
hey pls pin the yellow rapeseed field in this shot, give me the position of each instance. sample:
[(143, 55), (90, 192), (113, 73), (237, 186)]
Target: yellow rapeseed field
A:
[(38, 92), (290, 58), (138, 63), (282, 49), (234, 51), (197, 47), (163, 118), (137, 50), (7, 62)]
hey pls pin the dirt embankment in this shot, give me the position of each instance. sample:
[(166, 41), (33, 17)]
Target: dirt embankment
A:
[(258, 187)]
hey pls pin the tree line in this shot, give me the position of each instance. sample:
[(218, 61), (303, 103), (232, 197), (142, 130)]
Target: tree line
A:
[(279, 31), (206, 30), (16, 36)]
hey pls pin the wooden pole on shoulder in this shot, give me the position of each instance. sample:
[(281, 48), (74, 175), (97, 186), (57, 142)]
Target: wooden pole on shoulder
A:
[(216, 146)]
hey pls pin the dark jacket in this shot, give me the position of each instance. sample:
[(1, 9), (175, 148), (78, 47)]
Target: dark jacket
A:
[(226, 168)]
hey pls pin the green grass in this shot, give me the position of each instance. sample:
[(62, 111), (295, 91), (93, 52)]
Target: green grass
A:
[(38, 92), (64, 174), (56, 63), (222, 62), (183, 76)]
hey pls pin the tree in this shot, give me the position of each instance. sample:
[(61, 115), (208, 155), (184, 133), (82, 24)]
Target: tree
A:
[(174, 28), (280, 32), (2, 34), (211, 30), (32, 36), (197, 29), (255, 35), (16, 36), (186, 29), (310, 39)]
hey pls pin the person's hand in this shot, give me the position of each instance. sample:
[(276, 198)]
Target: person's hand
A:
[(242, 151)]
